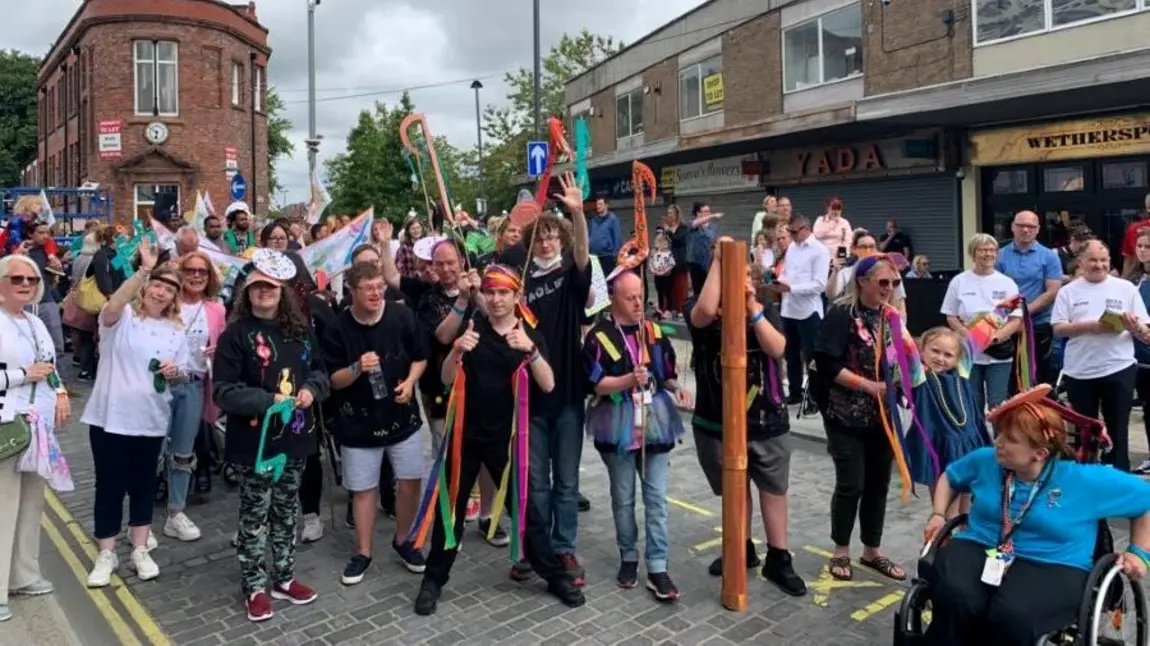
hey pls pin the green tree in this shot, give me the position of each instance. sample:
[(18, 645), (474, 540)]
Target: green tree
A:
[(18, 114), (279, 146), (508, 129)]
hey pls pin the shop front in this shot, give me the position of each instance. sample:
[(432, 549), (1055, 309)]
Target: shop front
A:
[(1090, 172), (899, 178), (731, 186)]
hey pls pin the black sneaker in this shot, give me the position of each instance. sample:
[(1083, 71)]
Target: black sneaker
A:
[(349, 519), (411, 558), (716, 568), (565, 590), (628, 576), (584, 504), (780, 571), (521, 572), (355, 569), (428, 598), (661, 585), (499, 538)]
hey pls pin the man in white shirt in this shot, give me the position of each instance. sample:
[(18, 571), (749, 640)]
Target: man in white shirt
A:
[(803, 280)]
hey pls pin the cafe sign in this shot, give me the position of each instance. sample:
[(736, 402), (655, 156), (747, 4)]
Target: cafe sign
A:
[(715, 176), (1118, 135)]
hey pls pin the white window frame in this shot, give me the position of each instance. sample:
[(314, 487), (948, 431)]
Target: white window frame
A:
[(1048, 25), (258, 89), (154, 63), (137, 202), (818, 22), (237, 75), (697, 70), (632, 97)]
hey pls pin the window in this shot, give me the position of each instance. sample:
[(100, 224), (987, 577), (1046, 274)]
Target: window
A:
[(629, 114), (1124, 175), (258, 90), (999, 19), (148, 195), (157, 77), (237, 76), (1010, 182), (701, 88), (828, 48), (1063, 179)]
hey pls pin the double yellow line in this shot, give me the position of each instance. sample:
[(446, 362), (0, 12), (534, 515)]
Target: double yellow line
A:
[(128, 620)]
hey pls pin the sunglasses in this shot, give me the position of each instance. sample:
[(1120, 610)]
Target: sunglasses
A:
[(889, 282), (24, 280), (194, 271), (794, 231), (159, 383)]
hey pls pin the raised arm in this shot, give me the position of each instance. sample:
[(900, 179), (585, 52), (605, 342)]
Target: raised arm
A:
[(112, 311)]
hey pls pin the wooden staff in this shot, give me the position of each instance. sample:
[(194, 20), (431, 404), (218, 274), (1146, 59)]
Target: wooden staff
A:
[(405, 137), (734, 361)]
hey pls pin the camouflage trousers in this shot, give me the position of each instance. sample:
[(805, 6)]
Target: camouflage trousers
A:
[(269, 512)]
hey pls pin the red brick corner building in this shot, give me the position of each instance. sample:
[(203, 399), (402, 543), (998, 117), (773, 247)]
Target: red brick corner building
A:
[(156, 100)]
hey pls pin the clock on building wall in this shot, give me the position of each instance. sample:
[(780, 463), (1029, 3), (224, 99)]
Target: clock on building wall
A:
[(156, 133)]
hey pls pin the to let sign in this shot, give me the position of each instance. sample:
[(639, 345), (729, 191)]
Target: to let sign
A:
[(231, 162), (110, 142)]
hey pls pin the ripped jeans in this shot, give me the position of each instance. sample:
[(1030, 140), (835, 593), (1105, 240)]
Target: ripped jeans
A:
[(187, 417)]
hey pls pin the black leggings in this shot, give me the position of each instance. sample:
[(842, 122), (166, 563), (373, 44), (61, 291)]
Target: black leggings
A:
[(863, 461), (663, 291), (1034, 599), (125, 466), (311, 486), (1113, 395)]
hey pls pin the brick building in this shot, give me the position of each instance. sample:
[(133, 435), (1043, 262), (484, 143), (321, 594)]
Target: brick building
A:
[(156, 100), (949, 115)]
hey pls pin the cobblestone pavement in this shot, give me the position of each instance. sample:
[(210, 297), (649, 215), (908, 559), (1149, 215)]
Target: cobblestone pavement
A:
[(196, 600)]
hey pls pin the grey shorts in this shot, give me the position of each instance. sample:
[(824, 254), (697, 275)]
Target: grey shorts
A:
[(361, 466), (768, 462)]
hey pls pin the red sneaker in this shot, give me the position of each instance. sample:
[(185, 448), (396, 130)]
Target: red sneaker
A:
[(259, 607), (294, 593), (472, 510), (571, 564)]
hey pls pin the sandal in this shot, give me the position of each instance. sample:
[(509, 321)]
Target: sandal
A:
[(885, 567), (840, 568)]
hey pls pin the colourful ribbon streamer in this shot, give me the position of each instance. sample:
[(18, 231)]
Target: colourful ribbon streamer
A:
[(902, 359), (582, 147), (442, 488), (1025, 365), (559, 146), (515, 478)]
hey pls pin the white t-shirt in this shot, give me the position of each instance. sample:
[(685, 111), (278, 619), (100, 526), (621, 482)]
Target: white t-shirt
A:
[(124, 400), (195, 319), (1090, 356), (970, 294)]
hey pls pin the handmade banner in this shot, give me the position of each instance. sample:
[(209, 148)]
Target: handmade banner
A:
[(600, 294), (332, 255), (320, 199)]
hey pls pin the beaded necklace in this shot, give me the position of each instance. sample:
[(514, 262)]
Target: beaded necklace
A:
[(959, 423)]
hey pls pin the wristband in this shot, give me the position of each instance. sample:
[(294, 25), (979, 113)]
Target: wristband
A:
[(1140, 553), (455, 309), (758, 316)]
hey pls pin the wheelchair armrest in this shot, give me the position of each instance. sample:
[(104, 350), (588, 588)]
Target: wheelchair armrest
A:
[(930, 549)]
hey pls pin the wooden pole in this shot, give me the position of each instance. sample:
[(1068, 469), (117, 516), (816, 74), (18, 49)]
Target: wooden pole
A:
[(734, 361)]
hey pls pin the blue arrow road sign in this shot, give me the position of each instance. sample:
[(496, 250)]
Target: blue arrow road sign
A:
[(239, 187), (537, 152)]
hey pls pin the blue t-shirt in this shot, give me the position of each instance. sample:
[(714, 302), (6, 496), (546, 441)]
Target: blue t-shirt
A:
[(1062, 525), (1030, 270)]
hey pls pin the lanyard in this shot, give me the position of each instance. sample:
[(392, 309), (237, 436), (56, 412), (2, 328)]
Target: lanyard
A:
[(637, 353), (1006, 544)]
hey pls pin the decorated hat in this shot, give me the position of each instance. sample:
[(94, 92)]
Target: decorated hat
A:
[(425, 246), (272, 267), (236, 207), (1033, 396)]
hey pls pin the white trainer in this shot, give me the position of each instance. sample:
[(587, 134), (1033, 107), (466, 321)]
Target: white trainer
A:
[(312, 528), (146, 568), (181, 528), (152, 543), (101, 574)]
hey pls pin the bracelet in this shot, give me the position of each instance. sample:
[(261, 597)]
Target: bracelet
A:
[(935, 513), (536, 356), (758, 316), (1140, 553), (455, 309)]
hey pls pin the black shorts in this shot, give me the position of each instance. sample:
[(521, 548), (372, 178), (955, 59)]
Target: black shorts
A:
[(768, 462)]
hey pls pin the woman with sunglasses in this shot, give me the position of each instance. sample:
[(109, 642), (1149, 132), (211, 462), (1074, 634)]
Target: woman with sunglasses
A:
[(843, 271), (852, 379), (143, 352), (203, 319)]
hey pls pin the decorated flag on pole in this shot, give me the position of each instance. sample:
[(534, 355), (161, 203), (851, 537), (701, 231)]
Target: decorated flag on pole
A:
[(320, 199), (201, 212), (229, 266), (46, 215), (332, 255), (208, 204)]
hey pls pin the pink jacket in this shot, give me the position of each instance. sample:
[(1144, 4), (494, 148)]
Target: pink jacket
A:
[(217, 318)]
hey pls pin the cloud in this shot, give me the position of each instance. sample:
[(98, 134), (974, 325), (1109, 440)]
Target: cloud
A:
[(369, 50)]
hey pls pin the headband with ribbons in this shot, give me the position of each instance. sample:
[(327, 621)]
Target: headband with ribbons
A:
[(1092, 432), (501, 277)]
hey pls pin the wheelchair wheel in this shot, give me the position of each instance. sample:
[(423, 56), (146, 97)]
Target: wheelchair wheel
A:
[(1113, 610), (913, 616)]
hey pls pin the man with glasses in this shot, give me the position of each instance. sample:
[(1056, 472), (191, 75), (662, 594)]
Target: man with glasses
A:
[(1038, 273), (802, 282)]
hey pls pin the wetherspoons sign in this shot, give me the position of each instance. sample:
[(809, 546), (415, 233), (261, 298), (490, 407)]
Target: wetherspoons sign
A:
[(712, 176), (1119, 135)]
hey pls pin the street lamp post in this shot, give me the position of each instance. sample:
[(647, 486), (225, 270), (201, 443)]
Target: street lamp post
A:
[(311, 152), (477, 86), (538, 73)]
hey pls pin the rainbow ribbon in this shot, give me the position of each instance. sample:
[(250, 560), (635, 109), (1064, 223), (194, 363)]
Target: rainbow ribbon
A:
[(515, 476), (438, 482), (892, 423)]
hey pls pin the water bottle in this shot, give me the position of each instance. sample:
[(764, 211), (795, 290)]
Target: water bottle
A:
[(378, 384)]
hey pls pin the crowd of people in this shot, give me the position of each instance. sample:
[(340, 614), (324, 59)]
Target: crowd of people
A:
[(483, 349)]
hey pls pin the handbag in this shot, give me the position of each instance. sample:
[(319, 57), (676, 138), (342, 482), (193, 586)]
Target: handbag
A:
[(89, 298), (76, 318), (15, 436)]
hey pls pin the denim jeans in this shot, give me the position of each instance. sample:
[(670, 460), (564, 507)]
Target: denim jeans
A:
[(187, 417), (556, 450), (991, 384), (622, 468)]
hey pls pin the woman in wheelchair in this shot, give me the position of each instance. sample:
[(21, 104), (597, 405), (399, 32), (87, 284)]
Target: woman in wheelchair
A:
[(1018, 570)]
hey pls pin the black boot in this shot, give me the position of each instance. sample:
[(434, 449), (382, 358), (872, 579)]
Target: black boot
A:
[(779, 570), (716, 568)]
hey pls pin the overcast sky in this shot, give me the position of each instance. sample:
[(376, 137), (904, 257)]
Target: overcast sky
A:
[(383, 46)]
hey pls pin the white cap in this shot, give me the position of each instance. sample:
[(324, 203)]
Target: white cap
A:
[(236, 207)]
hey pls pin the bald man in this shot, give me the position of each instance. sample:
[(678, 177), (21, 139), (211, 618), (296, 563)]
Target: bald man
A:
[(1038, 273), (635, 422)]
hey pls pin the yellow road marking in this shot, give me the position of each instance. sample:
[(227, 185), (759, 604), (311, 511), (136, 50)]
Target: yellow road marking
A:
[(862, 614), (708, 545), (689, 507), (142, 618), (119, 627)]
